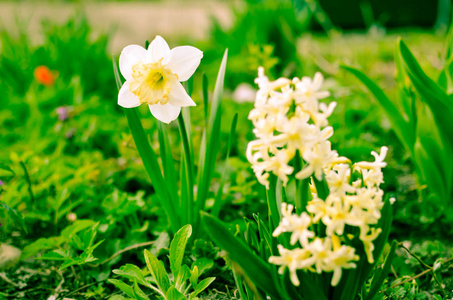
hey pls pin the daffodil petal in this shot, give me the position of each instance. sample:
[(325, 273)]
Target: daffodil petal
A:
[(158, 49), (178, 95), (165, 113), (184, 60), (131, 55), (126, 98)]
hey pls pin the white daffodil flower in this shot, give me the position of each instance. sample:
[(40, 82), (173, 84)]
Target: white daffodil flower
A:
[(153, 77)]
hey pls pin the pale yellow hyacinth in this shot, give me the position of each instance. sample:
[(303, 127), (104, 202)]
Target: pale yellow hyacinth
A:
[(355, 205), (289, 119), (153, 77)]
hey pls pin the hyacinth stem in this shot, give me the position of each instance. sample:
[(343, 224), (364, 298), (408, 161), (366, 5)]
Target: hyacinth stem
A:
[(272, 201)]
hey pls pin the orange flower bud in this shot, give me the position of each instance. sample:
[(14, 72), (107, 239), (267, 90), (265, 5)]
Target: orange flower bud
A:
[(44, 76)]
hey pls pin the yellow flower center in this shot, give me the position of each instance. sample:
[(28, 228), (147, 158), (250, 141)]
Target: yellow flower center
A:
[(151, 82)]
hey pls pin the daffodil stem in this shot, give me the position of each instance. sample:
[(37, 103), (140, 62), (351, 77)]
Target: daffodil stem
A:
[(151, 165), (188, 203)]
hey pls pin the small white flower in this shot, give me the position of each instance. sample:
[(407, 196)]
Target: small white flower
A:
[(153, 77)]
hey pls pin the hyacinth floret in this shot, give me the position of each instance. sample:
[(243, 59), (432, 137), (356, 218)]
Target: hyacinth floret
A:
[(288, 119)]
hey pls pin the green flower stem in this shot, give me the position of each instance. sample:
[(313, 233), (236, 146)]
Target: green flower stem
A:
[(151, 165), (187, 204), (274, 209), (303, 195)]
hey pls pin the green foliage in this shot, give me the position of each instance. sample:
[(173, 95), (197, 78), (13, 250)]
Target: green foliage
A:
[(67, 48), (423, 122), (254, 275), (71, 248), (177, 286), (264, 34)]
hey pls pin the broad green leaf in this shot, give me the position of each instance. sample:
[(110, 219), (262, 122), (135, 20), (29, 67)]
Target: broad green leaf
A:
[(14, 216), (163, 241), (401, 127), (119, 297), (174, 294), (55, 255), (157, 270), (6, 168), (255, 268), (178, 247), (76, 261), (77, 226), (123, 287), (131, 272), (139, 294), (38, 246), (183, 275), (203, 264), (194, 277), (201, 287)]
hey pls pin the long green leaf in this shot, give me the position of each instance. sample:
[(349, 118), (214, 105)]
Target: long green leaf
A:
[(437, 166), (430, 92), (151, 165), (381, 274), (255, 268), (168, 164), (212, 139), (401, 126), (187, 170), (218, 199)]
